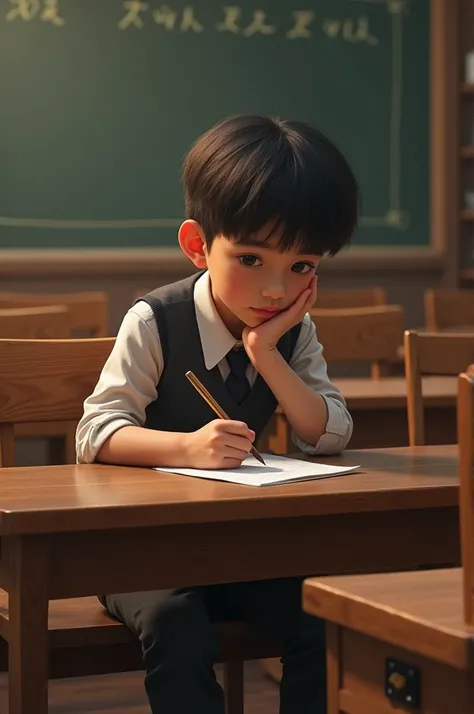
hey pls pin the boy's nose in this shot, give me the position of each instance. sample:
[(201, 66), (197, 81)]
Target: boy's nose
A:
[(275, 291)]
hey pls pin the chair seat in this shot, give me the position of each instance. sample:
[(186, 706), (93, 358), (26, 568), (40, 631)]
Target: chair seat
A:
[(83, 622)]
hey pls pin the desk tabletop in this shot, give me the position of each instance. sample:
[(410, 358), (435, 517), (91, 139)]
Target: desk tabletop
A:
[(391, 392), (86, 497), (420, 611)]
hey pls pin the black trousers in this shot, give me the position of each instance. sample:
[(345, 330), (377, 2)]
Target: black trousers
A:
[(179, 637)]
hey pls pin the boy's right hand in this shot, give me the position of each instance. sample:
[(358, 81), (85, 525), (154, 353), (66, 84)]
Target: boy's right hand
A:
[(220, 444)]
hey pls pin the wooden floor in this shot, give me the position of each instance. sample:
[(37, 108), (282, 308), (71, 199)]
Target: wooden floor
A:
[(124, 694)]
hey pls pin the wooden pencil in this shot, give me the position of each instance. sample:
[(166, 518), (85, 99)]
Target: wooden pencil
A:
[(217, 409)]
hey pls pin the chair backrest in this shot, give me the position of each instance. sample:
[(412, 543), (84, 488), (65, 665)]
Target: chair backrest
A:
[(366, 334), (88, 310), (448, 308), (431, 353), (44, 323), (330, 298), (46, 380), (465, 417)]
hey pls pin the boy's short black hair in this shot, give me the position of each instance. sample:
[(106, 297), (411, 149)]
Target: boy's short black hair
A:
[(247, 172)]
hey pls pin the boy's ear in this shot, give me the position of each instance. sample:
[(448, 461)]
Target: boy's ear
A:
[(193, 243)]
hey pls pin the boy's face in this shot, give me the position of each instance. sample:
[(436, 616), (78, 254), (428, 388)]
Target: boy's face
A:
[(251, 283)]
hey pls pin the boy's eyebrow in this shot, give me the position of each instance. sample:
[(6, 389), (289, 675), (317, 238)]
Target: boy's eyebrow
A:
[(259, 243), (249, 241)]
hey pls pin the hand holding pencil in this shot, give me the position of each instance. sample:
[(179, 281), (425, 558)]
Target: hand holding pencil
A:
[(201, 389)]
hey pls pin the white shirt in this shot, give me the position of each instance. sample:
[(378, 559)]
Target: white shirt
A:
[(130, 378)]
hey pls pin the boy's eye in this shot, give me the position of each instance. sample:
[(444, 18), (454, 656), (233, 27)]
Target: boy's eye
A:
[(250, 260), (302, 268)]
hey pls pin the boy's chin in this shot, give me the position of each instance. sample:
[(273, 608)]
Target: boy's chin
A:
[(254, 321)]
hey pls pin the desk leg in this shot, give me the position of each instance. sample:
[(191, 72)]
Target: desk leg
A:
[(333, 655), (28, 558)]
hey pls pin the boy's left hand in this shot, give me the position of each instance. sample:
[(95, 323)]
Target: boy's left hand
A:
[(263, 338)]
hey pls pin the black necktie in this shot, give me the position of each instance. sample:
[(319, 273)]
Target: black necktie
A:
[(237, 383)]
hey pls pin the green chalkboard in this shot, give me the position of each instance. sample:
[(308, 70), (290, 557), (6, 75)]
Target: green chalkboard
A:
[(100, 100)]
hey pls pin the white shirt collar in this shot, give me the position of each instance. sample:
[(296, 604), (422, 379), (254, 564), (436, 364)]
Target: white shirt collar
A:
[(216, 340)]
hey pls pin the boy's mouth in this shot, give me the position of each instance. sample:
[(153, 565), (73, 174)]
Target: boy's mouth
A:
[(266, 311)]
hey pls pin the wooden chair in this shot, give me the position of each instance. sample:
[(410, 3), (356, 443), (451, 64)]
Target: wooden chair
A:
[(88, 316), (445, 309), (365, 334), (35, 323), (429, 353), (88, 310), (465, 417), (360, 334), (50, 322), (44, 380), (330, 298)]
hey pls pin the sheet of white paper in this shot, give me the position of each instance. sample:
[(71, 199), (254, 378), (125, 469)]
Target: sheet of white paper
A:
[(278, 470)]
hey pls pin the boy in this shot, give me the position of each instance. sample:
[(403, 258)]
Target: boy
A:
[(265, 200)]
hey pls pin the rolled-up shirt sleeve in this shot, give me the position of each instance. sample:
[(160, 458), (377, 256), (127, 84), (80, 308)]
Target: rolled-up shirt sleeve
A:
[(308, 362), (127, 384)]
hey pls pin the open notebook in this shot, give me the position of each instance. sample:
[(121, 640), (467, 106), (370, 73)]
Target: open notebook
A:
[(278, 470)]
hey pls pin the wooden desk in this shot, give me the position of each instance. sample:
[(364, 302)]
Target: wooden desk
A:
[(69, 531), (384, 626), (379, 412)]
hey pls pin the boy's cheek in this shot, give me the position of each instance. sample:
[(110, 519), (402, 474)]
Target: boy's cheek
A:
[(236, 286)]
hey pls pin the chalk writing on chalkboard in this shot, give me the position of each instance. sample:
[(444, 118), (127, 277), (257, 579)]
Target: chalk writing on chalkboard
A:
[(29, 9), (301, 24), (135, 15)]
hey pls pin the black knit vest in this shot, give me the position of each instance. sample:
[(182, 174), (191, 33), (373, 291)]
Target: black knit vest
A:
[(178, 406)]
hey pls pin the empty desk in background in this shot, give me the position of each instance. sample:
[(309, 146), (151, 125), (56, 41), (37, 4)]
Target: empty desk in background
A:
[(379, 410)]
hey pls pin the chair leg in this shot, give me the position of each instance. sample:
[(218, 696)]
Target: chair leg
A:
[(234, 687)]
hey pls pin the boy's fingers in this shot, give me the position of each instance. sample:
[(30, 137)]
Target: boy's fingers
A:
[(231, 463), (299, 302), (238, 427), (238, 444)]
